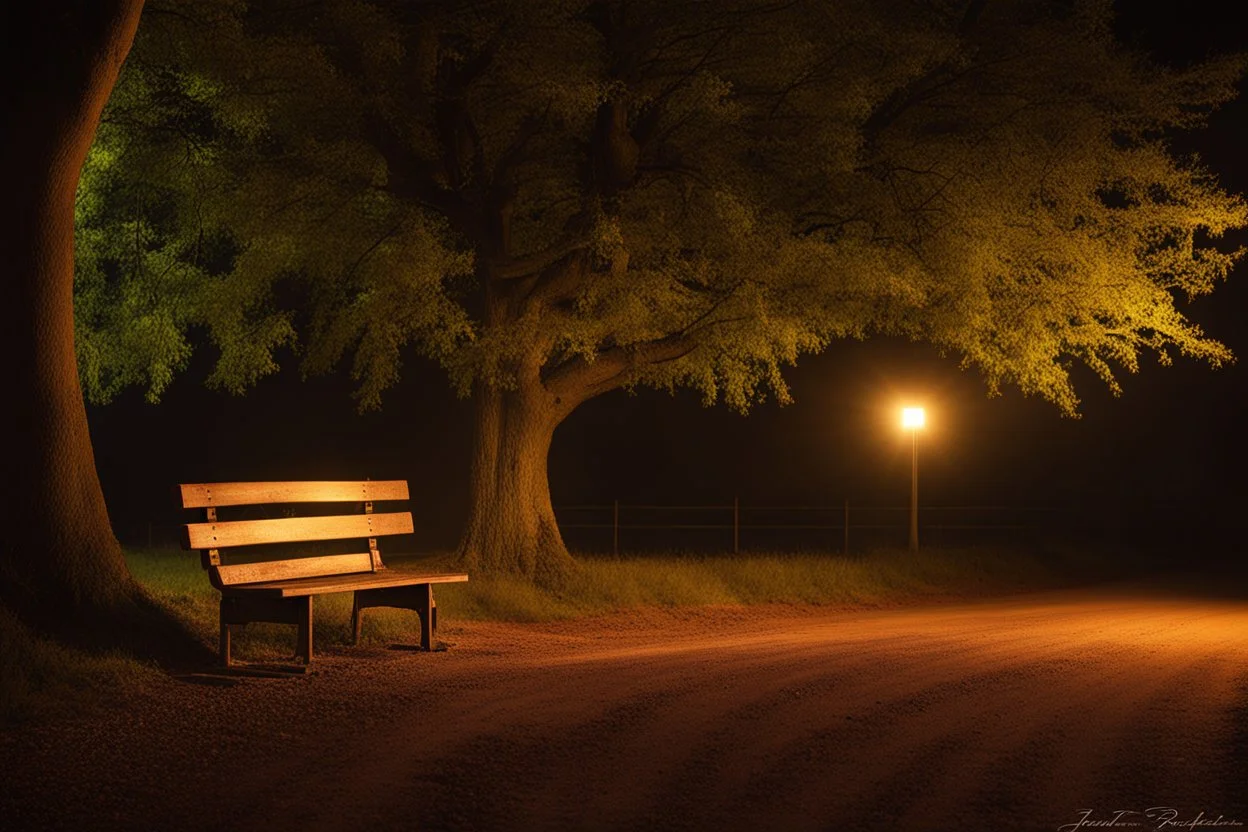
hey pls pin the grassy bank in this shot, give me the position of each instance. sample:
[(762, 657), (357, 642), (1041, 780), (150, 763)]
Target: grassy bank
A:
[(45, 678), (880, 578), (608, 584), (41, 675)]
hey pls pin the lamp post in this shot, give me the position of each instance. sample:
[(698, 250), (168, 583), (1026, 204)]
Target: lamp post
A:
[(913, 418)]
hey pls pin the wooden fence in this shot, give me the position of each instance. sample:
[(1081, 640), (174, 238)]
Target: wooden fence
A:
[(835, 526)]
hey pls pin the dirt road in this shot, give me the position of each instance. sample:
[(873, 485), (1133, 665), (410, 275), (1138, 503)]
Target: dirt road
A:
[(1017, 714)]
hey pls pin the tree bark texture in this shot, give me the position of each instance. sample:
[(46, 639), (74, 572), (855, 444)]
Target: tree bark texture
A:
[(59, 559), (511, 524)]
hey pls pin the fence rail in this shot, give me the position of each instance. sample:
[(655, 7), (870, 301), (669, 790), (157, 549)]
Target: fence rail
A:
[(735, 518)]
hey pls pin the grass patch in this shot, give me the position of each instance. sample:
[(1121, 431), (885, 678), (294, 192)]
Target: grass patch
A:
[(609, 584), (176, 579), (43, 678), (880, 578)]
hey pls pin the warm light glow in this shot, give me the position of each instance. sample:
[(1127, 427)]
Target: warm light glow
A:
[(912, 417)]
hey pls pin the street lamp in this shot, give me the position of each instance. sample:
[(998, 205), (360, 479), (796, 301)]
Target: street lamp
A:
[(913, 418)]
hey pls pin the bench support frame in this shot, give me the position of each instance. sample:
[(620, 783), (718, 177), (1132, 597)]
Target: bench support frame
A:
[(245, 608), (418, 597)]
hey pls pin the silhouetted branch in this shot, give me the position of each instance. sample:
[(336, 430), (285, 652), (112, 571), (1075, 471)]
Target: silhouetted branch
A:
[(581, 379), (531, 265)]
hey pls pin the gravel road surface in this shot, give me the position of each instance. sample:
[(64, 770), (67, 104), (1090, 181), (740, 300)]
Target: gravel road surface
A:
[(1042, 712)]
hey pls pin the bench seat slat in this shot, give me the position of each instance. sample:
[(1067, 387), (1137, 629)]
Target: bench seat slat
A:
[(346, 583), (223, 534), (279, 570), (216, 494)]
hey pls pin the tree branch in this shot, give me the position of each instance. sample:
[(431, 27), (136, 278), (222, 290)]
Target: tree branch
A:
[(581, 379), (516, 268), (924, 86), (410, 177), (971, 16), (515, 152)]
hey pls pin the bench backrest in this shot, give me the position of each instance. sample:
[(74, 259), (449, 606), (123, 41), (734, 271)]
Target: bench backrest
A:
[(213, 535)]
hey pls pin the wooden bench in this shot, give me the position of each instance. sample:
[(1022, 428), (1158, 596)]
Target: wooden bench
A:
[(256, 587)]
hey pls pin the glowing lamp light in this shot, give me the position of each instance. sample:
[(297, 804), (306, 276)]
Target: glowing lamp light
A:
[(912, 417)]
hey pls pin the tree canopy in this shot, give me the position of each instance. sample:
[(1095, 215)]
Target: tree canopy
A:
[(668, 193), (553, 199)]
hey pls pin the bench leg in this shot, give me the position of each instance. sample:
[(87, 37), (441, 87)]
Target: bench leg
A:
[(303, 649), (425, 609), (416, 597), (357, 622)]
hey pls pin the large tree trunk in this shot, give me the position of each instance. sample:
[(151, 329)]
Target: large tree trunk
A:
[(60, 564), (511, 524)]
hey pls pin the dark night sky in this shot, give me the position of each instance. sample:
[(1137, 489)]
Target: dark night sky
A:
[(1174, 439)]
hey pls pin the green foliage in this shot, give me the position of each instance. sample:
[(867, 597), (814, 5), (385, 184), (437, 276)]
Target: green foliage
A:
[(152, 261), (596, 194)]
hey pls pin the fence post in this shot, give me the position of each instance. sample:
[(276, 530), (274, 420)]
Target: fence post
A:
[(845, 550), (615, 528), (736, 525)]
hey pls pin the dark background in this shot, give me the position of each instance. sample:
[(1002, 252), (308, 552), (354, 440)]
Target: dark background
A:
[(1160, 464)]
